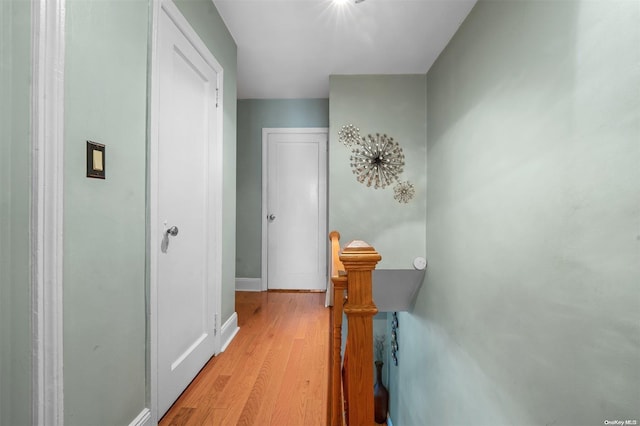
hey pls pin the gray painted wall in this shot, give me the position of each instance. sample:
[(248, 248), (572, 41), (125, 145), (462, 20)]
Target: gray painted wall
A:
[(529, 311), (15, 184), (104, 270), (253, 115), (395, 105), (206, 21), (104, 242), (105, 220)]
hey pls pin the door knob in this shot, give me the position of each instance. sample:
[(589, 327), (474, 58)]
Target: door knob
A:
[(173, 231), (272, 217)]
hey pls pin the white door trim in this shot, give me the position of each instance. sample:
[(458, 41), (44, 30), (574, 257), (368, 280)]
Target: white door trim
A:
[(47, 124), (214, 185), (266, 131)]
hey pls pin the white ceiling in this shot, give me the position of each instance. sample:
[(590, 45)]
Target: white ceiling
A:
[(288, 48)]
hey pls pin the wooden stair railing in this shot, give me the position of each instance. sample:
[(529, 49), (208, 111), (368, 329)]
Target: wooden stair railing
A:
[(339, 280), (359, 259)]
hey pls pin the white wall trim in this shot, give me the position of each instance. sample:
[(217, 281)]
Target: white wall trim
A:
[(264, 269), (215, 184), (229, 330), (143, 419), (248, 284), (47, 123), (266, 131), (152, 325)]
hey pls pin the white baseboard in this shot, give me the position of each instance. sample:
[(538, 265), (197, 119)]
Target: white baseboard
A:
[(229, 330), (143, 419), (248, 284)]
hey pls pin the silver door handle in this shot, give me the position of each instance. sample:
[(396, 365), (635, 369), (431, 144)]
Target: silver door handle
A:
[(272, 217), (173, 231)]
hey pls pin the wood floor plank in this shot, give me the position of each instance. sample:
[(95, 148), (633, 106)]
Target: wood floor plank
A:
[(283, 350), (260, 388), (209, 395), (244, 375), (314, 413), (289, 391), (273, 373), (182, 416)]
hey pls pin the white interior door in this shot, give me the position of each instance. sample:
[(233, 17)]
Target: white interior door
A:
[(295, 213), (184, 240)]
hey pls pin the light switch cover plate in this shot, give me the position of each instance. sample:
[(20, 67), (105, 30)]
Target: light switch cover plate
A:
[(95, 160)]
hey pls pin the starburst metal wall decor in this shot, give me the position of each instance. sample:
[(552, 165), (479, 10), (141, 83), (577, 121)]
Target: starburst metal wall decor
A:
[(377, 161), (349, 135), (403, 192)]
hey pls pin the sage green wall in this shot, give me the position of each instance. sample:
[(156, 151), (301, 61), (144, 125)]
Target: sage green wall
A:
[(15, 190), (106, 101), (104, 220), (529, 311), (395, 105), (104, 224), (253, 116), (206, 21)]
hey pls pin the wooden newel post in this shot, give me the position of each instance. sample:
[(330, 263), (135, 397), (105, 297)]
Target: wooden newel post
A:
[(359, 260)]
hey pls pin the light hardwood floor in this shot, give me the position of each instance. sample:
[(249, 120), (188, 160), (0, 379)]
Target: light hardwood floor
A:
[(273, 373)]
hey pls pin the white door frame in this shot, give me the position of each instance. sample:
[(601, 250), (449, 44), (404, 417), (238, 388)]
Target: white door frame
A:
[(214, 187), (266, 131), (47, 172)]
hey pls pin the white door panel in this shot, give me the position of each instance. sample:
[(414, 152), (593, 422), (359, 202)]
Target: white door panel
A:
[(187, 122), (296, 203)]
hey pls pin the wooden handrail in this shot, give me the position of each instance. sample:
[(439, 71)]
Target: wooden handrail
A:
[(352, 269), (336, 264), (339, 281)]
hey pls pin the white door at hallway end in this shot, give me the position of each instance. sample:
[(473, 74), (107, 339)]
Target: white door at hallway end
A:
[(295, 209)]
